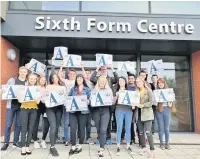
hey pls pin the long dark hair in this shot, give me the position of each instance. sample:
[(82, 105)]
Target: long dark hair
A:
[(84, 82), (118, 86), (51, 78), (143, 71)]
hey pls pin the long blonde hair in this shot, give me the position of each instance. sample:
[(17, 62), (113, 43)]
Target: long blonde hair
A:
[(146, 85), (102, 77)]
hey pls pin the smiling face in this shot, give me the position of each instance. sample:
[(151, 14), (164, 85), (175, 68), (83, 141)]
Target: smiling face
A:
[(154, 79), (32, 79), (161, 85), (143, 75), (131, 80), (23, 73), (72, 75), (87, 75), (122, 82), (55, 79), (79, 80), (104, 70), (42, 81), (140, 83), (102, 82)]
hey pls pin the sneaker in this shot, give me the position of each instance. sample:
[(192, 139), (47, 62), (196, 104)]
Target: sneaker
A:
[(152, 155), (23, 151), (54, 152), (43, 144), (89, 141), (28, 151), (77, 150), (18, 145), (5, 146), (118, 151), (108, 142), (67, 143), (71, 152), (97, 142), (36, 145), (144, 151), (100, 153), (162, 147), (167, 147), (130, 151)]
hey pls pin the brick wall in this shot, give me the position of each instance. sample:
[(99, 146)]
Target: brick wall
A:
[(8, 69), (196, 83)]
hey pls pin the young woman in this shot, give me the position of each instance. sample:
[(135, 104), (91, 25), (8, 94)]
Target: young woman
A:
[(163, 116), (145, 116), (54, 114), (41, 111), (28, 117), (101, 115), (79, 118), (123, 112)]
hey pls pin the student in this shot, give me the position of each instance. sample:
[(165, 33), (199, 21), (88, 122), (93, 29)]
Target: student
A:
[(78, 117), (123, 112), (145, 116), (154, 86), (87, 76), (69, 83), (13, 111), (163, 116), (111, 81), (28, 117), (41, 111), (143, 75), (101, 115), (54, 114)]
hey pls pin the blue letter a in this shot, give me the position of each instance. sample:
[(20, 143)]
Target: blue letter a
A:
[(59, 54), (70, 61), (34, 67), (99, 100), (162, 97), (10, 92), (28, 95), (74, 104), (53, 100), (126, 98), (102, 61), (153, 67)]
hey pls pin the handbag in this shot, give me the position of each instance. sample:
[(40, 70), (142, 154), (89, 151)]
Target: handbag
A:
[(173, 108)]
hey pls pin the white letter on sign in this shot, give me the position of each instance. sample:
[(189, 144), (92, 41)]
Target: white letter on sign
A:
[(139, 26), (91, 23), (40, 23)]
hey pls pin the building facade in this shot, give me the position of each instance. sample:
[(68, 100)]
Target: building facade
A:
[(137, 31)]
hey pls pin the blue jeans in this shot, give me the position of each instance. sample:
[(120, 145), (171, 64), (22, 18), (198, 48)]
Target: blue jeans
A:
[(120, 115), (10, 114), (66, 125), (163, 119)]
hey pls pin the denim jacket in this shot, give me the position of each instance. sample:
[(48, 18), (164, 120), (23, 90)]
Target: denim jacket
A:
[(85, 91)]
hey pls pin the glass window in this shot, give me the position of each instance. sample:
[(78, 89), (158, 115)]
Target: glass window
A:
[(112, 6), (175, 7), (177, 77), (46, 5)]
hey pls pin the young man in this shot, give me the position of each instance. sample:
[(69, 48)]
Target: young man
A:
[(87, 76), (154, 79), (69, 83), (111, 81), (13, 111)]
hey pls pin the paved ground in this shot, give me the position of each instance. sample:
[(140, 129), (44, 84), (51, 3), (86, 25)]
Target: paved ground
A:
[(184, 146)]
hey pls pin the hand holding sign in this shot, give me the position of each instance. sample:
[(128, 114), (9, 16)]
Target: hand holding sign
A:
[(36, 67)]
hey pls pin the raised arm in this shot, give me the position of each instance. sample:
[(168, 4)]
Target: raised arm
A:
[(60, 72), (115, 78), (94, 78)]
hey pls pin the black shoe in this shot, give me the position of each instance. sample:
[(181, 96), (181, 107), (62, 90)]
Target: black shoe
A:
[(77, 150), (118, 151), (100, 153), (66, 143), (71, 152), (28, 152), (53, 151), (5, 146), (23, 154)]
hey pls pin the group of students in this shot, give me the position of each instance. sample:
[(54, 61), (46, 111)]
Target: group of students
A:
[(27, 114)]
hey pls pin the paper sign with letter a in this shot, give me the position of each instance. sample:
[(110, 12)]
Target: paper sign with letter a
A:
[(126, 66), (11, 91), (76, 103), (60, 52), (29, 93), (104, 60), (164, 95), (53, 99), (130, 98), (73, 61), (101, 98), (36, 67)]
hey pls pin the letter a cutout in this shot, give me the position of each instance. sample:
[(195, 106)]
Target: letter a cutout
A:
[(53, 100), (162, 97), (34, 67), (70, 62), (124, 68), (10, 92), (102, 61), (28, 95), (126, 98), (153, 67), (74, 105), (99, 100), (59, 54)]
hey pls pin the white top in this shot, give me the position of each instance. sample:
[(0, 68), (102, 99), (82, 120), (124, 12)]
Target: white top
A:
[(69, 84)]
